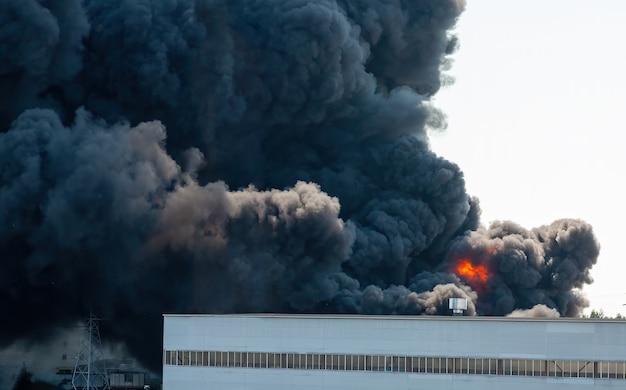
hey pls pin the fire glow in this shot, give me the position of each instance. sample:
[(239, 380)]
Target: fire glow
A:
[(474, 273)]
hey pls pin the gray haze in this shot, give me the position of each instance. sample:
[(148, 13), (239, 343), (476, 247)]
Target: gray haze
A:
[(244, 156)]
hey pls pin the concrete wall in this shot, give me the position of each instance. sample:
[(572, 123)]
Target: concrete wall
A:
[(245, 379), (560, 339)]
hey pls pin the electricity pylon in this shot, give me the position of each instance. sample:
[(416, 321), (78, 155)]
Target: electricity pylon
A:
[(90, 371)]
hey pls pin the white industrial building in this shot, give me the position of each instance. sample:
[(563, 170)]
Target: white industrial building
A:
[(276, 352)]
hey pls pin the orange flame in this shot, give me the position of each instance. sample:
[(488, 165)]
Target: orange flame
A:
[(475, 273)]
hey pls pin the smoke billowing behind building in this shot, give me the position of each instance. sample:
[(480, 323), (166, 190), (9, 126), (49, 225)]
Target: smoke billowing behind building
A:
[(245, 156)]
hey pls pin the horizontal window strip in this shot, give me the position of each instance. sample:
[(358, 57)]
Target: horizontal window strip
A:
[(390, 363)]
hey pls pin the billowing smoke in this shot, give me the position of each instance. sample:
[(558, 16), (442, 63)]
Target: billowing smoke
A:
[(538, 311), (245, 156)]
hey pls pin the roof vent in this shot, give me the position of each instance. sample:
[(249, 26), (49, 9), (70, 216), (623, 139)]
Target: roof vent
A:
[(458, 306)]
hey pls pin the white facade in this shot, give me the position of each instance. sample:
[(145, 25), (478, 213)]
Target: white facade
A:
[(391, 352)]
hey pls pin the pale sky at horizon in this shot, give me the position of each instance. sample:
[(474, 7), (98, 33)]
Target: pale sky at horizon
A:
[(534, 120)]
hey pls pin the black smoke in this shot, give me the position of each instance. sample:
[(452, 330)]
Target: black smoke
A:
[(244, 156)]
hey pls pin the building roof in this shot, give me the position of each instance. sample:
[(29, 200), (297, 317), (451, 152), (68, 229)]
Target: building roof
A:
[(401, 317)]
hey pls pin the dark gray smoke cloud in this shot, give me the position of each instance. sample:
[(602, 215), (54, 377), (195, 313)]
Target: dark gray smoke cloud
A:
[(244, 156), (545, 265)]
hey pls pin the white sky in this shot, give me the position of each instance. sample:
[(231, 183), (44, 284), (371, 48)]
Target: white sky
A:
[(535, 119)]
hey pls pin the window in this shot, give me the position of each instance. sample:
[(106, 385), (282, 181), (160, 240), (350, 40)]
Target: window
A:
[(396, 363), (361, 362), (506, 367), (369, 363), (385, 363), (482, 366), (566, 367), (399, 363), (528, 367), (460, 365), (620, 370), (332, 362), (168, 357), (605, 369), (212, 358), (421, 364)]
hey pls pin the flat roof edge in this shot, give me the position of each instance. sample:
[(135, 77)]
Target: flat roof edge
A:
[(400, 317)]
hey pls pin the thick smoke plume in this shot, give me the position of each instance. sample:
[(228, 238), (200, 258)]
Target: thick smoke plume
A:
[(245, 156)]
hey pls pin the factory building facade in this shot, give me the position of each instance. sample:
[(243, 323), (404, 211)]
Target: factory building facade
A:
[(391, 352)]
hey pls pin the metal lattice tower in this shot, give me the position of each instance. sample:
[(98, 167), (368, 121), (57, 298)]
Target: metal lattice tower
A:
[(90, 371)]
